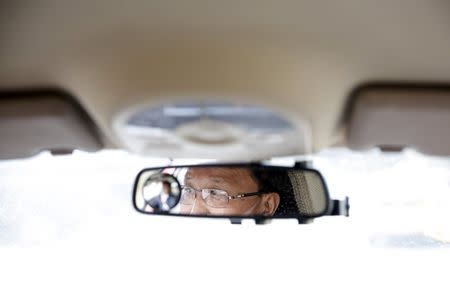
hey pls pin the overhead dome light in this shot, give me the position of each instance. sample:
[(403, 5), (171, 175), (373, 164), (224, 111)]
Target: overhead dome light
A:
[(211, 130)]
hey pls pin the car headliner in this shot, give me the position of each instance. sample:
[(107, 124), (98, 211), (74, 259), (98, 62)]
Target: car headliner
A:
[(300, 58)]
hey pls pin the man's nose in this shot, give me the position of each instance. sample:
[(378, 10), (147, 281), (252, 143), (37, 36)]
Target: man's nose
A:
[(199, 207)]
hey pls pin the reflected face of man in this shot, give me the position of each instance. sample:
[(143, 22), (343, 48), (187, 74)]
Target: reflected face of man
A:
[(166, 188), (234, 181)]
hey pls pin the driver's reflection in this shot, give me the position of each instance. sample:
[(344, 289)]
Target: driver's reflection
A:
[(226, 191), (165, 200)]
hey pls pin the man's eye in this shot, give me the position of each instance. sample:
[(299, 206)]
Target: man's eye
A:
[(213, 192)]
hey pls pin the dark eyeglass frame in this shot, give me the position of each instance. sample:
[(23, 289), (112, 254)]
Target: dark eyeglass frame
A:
[(223, 194), (238, 196)]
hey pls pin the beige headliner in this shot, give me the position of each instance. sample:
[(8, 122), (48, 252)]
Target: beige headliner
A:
[(302, 58)]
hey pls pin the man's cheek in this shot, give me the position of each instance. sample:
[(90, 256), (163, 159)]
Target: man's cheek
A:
[(185, 209), (237, 208)]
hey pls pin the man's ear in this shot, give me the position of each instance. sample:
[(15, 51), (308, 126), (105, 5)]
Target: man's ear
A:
[(270, 203)]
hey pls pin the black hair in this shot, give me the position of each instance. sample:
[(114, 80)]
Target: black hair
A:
[(165, 182), (169, 186), (277, 181)]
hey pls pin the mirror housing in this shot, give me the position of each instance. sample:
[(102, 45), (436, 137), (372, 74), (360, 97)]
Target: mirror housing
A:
[(235, 191)]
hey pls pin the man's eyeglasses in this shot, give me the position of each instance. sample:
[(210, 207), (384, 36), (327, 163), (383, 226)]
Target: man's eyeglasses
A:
[(212, 197)]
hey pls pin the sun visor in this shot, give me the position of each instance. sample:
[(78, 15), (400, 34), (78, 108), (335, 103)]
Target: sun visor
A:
[(394, 117), (35, 121)]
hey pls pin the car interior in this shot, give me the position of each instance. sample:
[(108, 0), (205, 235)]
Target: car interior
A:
[(132, 133)]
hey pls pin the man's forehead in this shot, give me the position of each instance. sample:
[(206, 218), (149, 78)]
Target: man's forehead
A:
[(218, 173)]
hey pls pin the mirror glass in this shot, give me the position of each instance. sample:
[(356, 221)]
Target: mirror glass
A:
[(160, 193), (232, 190)]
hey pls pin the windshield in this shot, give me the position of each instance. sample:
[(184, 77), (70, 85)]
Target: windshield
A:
[(402, 200), (75, 213)]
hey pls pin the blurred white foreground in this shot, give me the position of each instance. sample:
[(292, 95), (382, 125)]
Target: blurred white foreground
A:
[(68, 230)]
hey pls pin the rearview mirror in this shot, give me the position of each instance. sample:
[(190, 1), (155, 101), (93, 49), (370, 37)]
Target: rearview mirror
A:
[(233, 191)]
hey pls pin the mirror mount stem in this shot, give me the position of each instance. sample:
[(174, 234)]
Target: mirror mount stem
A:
[(258, 221), (340, 207), (264, 221), (236, 221)]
